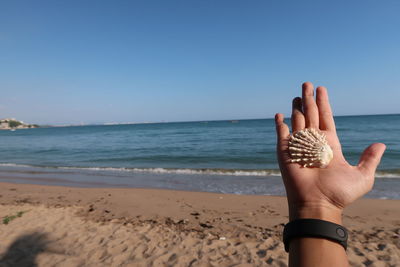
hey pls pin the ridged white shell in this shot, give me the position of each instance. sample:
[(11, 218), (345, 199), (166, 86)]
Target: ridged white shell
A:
[(309, 148)]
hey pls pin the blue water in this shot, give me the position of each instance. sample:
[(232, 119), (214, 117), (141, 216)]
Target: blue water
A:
[(197, 150)]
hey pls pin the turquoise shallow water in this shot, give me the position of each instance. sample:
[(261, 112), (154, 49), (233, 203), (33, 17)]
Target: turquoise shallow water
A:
[(216, 149)]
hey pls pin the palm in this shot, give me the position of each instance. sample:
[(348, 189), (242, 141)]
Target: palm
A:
[(339, 183)]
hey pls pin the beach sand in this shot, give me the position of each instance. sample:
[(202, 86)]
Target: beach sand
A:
[(63, 226)]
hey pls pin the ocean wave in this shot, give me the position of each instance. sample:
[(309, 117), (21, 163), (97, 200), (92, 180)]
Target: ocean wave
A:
[(234, 172), (17, 165), (184, 171), (388, 174), (189, 171)]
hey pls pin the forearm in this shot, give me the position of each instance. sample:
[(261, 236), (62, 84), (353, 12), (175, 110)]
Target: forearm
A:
[(316, 252), (309, 251)]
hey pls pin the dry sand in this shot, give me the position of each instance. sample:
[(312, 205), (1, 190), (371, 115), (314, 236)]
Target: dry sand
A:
[(64, 226)]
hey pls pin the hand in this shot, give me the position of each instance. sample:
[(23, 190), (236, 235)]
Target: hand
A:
[(315, 192)]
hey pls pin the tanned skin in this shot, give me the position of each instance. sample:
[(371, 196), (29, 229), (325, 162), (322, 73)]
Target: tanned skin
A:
[(321, 193)]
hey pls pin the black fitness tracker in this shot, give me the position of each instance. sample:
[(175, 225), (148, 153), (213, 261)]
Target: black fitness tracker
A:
[(314, 228)]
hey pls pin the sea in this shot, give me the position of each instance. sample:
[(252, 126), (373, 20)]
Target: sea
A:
[(232, 156)]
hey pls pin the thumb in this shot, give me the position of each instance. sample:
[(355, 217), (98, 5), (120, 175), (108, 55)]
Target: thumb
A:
[(370, 158)]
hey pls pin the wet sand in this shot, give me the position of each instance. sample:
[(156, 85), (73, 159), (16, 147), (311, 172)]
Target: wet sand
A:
[(65, 226)]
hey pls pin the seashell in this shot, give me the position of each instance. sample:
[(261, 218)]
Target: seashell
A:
[(309, 148)]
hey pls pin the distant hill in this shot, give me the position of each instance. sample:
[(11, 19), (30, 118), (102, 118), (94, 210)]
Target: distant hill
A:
[(11, 124)]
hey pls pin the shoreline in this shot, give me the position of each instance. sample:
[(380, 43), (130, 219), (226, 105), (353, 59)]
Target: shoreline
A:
[(177, 227), (384, 187)]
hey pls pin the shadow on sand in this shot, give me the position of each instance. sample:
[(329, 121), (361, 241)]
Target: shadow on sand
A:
[(24, 250)]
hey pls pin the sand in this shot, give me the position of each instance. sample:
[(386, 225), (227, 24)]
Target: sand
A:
[(62, 226)]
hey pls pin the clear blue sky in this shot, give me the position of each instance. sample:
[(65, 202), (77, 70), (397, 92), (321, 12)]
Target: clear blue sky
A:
[(136, 61)]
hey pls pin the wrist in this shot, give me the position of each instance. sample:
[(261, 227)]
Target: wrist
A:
[(319, 211)]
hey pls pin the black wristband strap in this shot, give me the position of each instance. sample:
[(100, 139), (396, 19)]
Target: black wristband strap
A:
[(314, 228)]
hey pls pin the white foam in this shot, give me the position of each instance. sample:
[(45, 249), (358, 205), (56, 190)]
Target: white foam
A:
[(380, 174), (15, 165), (185, 171), (161, 170), (228, 172)]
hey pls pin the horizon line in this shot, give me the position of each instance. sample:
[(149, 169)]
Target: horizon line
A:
[(186, 121)]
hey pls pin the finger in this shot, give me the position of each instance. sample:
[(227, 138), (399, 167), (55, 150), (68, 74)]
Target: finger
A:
[(326, 121), (309, 107), (370, 159), (282, 130), (298, 120)]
